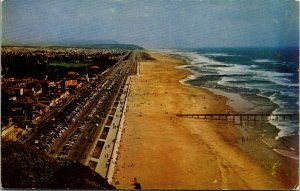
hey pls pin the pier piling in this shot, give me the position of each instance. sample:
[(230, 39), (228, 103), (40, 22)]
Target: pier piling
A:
[(243, 116)]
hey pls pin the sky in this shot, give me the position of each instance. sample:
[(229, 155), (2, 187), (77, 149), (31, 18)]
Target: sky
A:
[(153, 23)]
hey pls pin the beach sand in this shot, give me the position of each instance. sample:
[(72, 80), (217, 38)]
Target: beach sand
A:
[(163, 151)]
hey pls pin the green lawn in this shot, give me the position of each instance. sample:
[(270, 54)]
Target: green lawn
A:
[(69, 65)]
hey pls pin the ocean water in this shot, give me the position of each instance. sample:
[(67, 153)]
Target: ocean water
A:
[(267, 77)]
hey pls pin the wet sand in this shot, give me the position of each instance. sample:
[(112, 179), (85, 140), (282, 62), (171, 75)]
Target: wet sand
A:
[(163, 151)]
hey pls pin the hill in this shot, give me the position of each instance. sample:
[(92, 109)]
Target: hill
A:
[(24, 167), (99, 46), (115, 46), (73, 43)]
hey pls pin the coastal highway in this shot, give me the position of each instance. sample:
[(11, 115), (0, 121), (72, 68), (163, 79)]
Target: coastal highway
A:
[(83, 148), (73, 127), (90, 126), (135, 56)]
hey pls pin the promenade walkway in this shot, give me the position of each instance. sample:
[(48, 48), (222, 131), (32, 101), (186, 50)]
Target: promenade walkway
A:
[(104, 155)]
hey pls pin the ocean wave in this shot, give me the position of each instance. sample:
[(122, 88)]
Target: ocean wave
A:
[(275, 77), (247, 78), (233, 81), (220, 54), (207, 66), (264, 61), (192, 77), (286, 104), (286, 128), (235, 69), (291, 93), (240, 81), (196, 59)]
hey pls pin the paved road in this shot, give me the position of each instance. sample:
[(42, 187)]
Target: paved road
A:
[(72, 129), (82, 148)]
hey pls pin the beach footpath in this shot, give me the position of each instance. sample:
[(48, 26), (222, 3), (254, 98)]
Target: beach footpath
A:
[(162, 151)]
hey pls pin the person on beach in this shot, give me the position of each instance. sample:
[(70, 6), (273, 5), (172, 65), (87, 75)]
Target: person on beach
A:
[(136, 185)]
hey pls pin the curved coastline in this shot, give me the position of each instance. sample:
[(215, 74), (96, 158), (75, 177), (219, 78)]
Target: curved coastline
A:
[(163, 151), (234, 99), (278, 145)]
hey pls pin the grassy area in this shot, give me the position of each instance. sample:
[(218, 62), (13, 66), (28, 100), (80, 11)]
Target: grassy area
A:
[(69, 65)]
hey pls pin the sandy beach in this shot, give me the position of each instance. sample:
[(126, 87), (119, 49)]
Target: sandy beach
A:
[(163, 151)]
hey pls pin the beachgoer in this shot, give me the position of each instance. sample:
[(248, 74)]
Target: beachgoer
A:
[(137, 186)]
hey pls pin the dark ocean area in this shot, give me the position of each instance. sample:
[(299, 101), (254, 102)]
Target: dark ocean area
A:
[(266, 77)]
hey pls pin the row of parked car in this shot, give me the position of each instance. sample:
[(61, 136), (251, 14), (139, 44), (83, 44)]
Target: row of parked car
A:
[(92, 119), (74, 112), (68, 114), (45, 142)]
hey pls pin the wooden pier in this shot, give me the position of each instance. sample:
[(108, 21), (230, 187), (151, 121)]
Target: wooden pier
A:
[(243, 116)]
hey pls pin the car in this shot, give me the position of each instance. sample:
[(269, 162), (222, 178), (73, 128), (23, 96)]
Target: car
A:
[(64, 152), (66, 148), (62, 157), (75, 137), (72, 142)]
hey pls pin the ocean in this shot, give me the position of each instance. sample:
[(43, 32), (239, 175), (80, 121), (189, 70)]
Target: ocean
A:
[(266, 77)]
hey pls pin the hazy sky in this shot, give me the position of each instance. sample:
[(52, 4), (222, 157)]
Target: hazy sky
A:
[(154, 23)]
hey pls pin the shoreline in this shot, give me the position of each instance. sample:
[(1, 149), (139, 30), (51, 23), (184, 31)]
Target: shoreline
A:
[(219, 139), (261, 102), (235, 100), (286, 149)]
